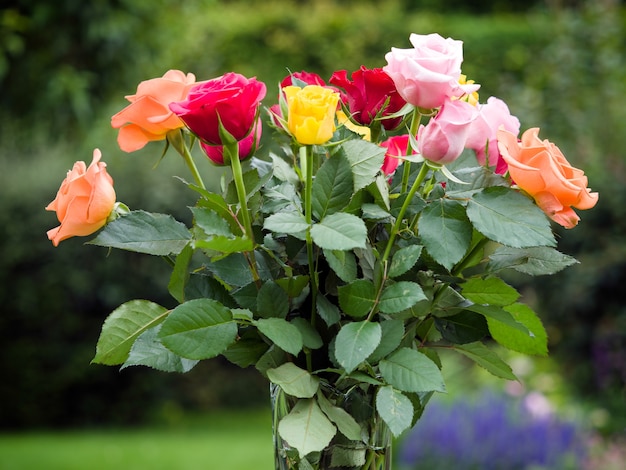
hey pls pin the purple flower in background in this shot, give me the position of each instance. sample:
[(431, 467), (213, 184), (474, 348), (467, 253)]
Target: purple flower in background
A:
[(491, 433)]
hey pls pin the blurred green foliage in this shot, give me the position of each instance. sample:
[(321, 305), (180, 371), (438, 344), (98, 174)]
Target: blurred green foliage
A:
[(65, 67)]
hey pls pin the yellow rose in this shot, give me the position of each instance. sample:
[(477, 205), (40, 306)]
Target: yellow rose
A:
[(311, 113), (363, 131)]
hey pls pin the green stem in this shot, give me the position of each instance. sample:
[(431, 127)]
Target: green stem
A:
[(177, 140), (233, 151), (396, 226), (415, 122), (306, 154)]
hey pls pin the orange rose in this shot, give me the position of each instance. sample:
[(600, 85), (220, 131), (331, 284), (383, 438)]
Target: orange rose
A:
[(539, 168), (149, 117), (84, 201)]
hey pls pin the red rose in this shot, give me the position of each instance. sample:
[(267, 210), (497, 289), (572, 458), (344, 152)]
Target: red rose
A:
[(309, 78), (371, 92), (397, 147), (247, 146), (231, 99)]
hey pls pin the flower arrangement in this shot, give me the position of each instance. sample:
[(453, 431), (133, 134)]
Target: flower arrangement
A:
[(341, 263)]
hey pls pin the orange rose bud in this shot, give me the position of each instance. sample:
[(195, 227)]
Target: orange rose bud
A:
[(84, 201), (540, 169), (148, 116)]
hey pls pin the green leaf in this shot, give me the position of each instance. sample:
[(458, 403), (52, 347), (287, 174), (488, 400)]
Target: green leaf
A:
[(310, 336), (294, 381), (490, 291), (404, 259), (216, 203), (365, 158), (508, 217), (148, 351), (246, 351), (445, 231), (510, 338), (180, 274), (272, 301), (144, 232), (283, 170), (282, 333), (202, 286), (328, 311), (411, 371), (400, 296), (332, 187), (293, 285), (272, 358), (233, 270), (392, 333), (343, 263), (340, 231), (306, 428), (498, 314), (464, 327), (535, 261), (225, 245), (355, 342), (487, 359), (199, 329), (286, 222), (123, 326), (374, 212), (357, 298), (395, 409), (346, 424), (211, 222)]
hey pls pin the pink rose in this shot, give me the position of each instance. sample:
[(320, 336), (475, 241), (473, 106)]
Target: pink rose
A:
[(396, 147), (369, 94), (482, 138), (443, 139), (247, 146), (428, 74), (231, 99)]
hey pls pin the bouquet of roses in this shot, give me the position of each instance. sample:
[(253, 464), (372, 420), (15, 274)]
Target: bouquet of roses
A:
[(340, 263)]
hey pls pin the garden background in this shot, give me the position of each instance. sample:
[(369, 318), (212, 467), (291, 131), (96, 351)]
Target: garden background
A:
[(65, 67)]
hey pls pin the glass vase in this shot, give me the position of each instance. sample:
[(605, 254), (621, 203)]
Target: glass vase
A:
[(372, 452)]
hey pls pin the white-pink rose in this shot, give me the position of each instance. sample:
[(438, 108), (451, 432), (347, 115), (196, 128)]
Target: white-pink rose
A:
[(492, 116), (428, 74), (443, 139)]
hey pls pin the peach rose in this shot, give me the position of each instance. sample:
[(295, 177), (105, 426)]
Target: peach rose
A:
[(84, 201), (148, 117), (539, 168)]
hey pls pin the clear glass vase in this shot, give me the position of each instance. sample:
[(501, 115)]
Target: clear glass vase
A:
[(372, 452)]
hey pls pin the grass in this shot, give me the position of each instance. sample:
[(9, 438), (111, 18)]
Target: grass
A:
[(224, 440)]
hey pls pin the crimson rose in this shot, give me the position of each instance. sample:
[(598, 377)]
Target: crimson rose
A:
[(231, 99), (369, 94)]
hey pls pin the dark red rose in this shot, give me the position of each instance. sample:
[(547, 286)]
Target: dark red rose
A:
[(371, 92)]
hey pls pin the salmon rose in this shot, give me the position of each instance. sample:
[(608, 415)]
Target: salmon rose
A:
[(540, 169), (84, 201), (148, 117)]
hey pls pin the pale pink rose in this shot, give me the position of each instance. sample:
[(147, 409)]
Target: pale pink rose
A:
[(482, 138), (443, 139), (428, 74)]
